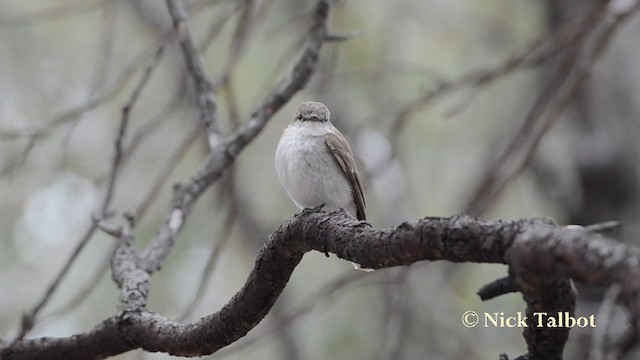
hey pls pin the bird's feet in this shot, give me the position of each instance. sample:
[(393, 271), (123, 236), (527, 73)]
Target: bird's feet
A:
[(317, 208), (310, 210)]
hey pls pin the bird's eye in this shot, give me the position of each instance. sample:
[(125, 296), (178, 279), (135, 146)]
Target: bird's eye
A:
[(299, 117)]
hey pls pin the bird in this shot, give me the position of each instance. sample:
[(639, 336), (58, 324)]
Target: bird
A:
[(316, 166), (315, 163)]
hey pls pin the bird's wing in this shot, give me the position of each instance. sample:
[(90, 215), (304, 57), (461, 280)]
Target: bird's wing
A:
[(342, 153)]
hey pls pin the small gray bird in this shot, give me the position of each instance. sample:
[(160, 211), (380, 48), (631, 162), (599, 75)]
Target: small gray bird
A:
[(315, 164)]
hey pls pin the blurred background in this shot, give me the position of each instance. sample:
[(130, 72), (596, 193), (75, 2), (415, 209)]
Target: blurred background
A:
[(441, 102)]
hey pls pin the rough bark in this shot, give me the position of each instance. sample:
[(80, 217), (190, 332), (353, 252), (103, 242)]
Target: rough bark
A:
[(541, 257)]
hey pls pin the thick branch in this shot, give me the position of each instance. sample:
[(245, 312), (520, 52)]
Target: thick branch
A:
[(533, 248), (548, 253)]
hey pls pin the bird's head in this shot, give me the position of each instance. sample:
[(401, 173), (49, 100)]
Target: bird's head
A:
[(312, 111)]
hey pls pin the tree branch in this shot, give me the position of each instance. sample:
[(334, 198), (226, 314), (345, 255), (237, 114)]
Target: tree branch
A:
[(197, 71), (541, 256)]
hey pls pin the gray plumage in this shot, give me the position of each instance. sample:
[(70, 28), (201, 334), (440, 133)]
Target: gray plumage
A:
[(315, 163)]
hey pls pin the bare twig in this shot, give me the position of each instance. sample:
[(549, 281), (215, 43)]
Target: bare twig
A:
[(197, 71), (107, 228), (29, 319), (101, 66), (21, 159), (604, 226), (605, 313), (498, 287), (155, 122), (397, 294), (134, 283), (344, 36), (83, 291), (166, 170), (105, 49), (216, 251), (126, 112), (249, 18), (215, 29)]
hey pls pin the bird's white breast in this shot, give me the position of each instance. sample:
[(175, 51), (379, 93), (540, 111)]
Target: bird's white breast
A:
[(308, 170)]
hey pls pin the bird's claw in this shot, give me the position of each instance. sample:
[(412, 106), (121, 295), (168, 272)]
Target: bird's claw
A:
[(319, 207), (312, 210)]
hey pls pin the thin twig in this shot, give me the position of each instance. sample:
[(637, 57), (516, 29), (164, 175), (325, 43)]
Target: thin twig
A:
[(83, 291), (16, 163), (215, 29), (163, 175), (126, 112), (216, 251), (195, 68), (104, 57), (604, 315), (605, 226), (155, 122), (29, 319), (240, 40), (397, 295), (498, 287)]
